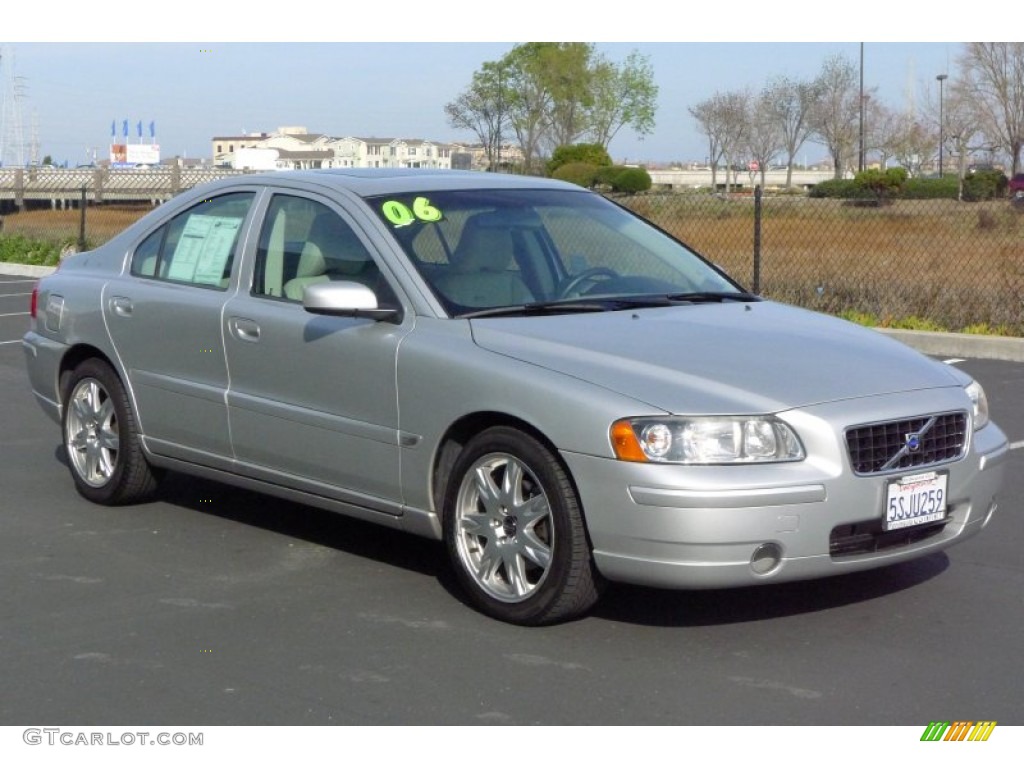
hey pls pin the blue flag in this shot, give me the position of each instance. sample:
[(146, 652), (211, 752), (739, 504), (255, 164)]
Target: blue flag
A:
[(124, 128), (152, 129), (113, 128), (139, 128)]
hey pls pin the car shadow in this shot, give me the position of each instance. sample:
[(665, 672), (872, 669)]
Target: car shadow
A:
[(623, 603), (300, 521), (697, 608)]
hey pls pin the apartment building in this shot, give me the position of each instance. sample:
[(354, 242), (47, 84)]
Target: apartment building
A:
[(293, 147)]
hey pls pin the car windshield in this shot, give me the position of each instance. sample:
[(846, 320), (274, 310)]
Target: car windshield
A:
[(503, 251)]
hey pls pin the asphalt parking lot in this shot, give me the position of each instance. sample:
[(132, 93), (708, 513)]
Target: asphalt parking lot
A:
[(217, 606)]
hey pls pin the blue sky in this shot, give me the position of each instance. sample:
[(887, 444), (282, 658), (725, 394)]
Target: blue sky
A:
[(197, 89)]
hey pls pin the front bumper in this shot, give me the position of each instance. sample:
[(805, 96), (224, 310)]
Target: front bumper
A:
[(696, 527)]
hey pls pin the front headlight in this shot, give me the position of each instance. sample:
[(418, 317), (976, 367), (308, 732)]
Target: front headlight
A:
[(705, 440), (980, 403)]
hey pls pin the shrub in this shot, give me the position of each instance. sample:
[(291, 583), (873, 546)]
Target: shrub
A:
[(583, 174), (881, 184), (22, 250), (838, 188), (592, 154), (606, 174), (931, 189), (985, 185), (631, 180)]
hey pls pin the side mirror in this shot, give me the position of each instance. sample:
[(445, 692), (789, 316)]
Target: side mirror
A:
[(347, 299)]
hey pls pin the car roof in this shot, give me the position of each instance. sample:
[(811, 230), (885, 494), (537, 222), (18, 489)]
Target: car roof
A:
[(369, 182)]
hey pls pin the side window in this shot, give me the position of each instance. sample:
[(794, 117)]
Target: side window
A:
[(304, 242), (197, 246)]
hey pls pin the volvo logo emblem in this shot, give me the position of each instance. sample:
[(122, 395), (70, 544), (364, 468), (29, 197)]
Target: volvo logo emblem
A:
[(912, 440)]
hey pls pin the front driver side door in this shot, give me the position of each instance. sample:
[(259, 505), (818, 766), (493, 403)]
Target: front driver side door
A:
[(312, 401)]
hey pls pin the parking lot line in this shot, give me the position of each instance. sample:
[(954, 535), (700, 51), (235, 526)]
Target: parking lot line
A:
[(15, 341), (13, 314)]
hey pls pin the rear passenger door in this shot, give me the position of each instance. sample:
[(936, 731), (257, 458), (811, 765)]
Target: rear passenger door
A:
[(312, 402), (164, 320)]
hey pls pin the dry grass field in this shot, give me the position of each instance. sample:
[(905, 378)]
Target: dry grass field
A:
[(924, 264), (102, 223), (928, 264)]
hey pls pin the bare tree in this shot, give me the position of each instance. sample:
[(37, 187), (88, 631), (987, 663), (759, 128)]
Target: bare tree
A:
[(482, 109), (994, 74), (914, 142), (723, 119), (764, 138), (882, 133), (963, 129), (708, 122), (789, 103), (835, 117)]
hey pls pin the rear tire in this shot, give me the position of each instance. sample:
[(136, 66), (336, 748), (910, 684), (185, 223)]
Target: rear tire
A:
[(514, 531), (101, 438)]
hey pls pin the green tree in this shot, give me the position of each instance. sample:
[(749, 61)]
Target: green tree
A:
[(567, 70), (529, 99), (554, 94), (623, 95)]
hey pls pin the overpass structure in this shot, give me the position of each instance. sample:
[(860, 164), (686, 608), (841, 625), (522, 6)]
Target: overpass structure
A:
[(64, 187), (696, 179)]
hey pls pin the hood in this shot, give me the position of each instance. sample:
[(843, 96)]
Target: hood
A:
[(758, 357)]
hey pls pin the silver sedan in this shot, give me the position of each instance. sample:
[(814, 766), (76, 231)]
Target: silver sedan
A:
[(559, 391)]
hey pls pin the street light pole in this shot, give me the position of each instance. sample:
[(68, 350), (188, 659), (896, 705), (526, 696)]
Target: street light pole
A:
[(860, 152), (941, 79)]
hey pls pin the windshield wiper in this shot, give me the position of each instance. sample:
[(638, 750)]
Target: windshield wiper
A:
[(573, 306), (539, 308), (709, 296)]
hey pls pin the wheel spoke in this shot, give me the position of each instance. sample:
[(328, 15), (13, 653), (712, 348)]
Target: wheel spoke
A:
[(487, 492), (515, 569), (532, 511), (534, 549), (489, 563), (512, 485)]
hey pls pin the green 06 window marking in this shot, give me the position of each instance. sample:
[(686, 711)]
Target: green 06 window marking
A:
[(399, 214)]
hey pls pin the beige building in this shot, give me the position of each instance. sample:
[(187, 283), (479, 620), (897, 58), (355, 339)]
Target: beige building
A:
[(293, 147)]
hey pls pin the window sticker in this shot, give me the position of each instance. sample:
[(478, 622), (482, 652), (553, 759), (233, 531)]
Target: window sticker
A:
[(399, 214), (203, 251)]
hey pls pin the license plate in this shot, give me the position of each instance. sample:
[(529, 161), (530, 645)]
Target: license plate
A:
[(915, 500)]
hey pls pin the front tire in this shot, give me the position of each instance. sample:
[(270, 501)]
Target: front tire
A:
[(514, 531), (101, 438)]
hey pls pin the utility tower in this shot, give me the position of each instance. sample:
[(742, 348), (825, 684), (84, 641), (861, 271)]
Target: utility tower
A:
[(12, 92)]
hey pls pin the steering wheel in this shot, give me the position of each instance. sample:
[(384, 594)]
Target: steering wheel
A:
[(586, 276)]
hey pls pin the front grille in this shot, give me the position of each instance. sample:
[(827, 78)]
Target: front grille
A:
[(917, 442)]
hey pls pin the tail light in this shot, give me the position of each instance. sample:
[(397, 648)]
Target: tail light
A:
[(33, 302)]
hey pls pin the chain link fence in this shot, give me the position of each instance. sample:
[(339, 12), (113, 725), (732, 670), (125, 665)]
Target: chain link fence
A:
[(919, 264)]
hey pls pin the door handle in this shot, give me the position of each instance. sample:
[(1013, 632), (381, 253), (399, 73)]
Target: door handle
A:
[(244, 329), (121, 305)]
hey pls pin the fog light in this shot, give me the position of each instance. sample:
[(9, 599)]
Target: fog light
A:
[(766, 558)]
